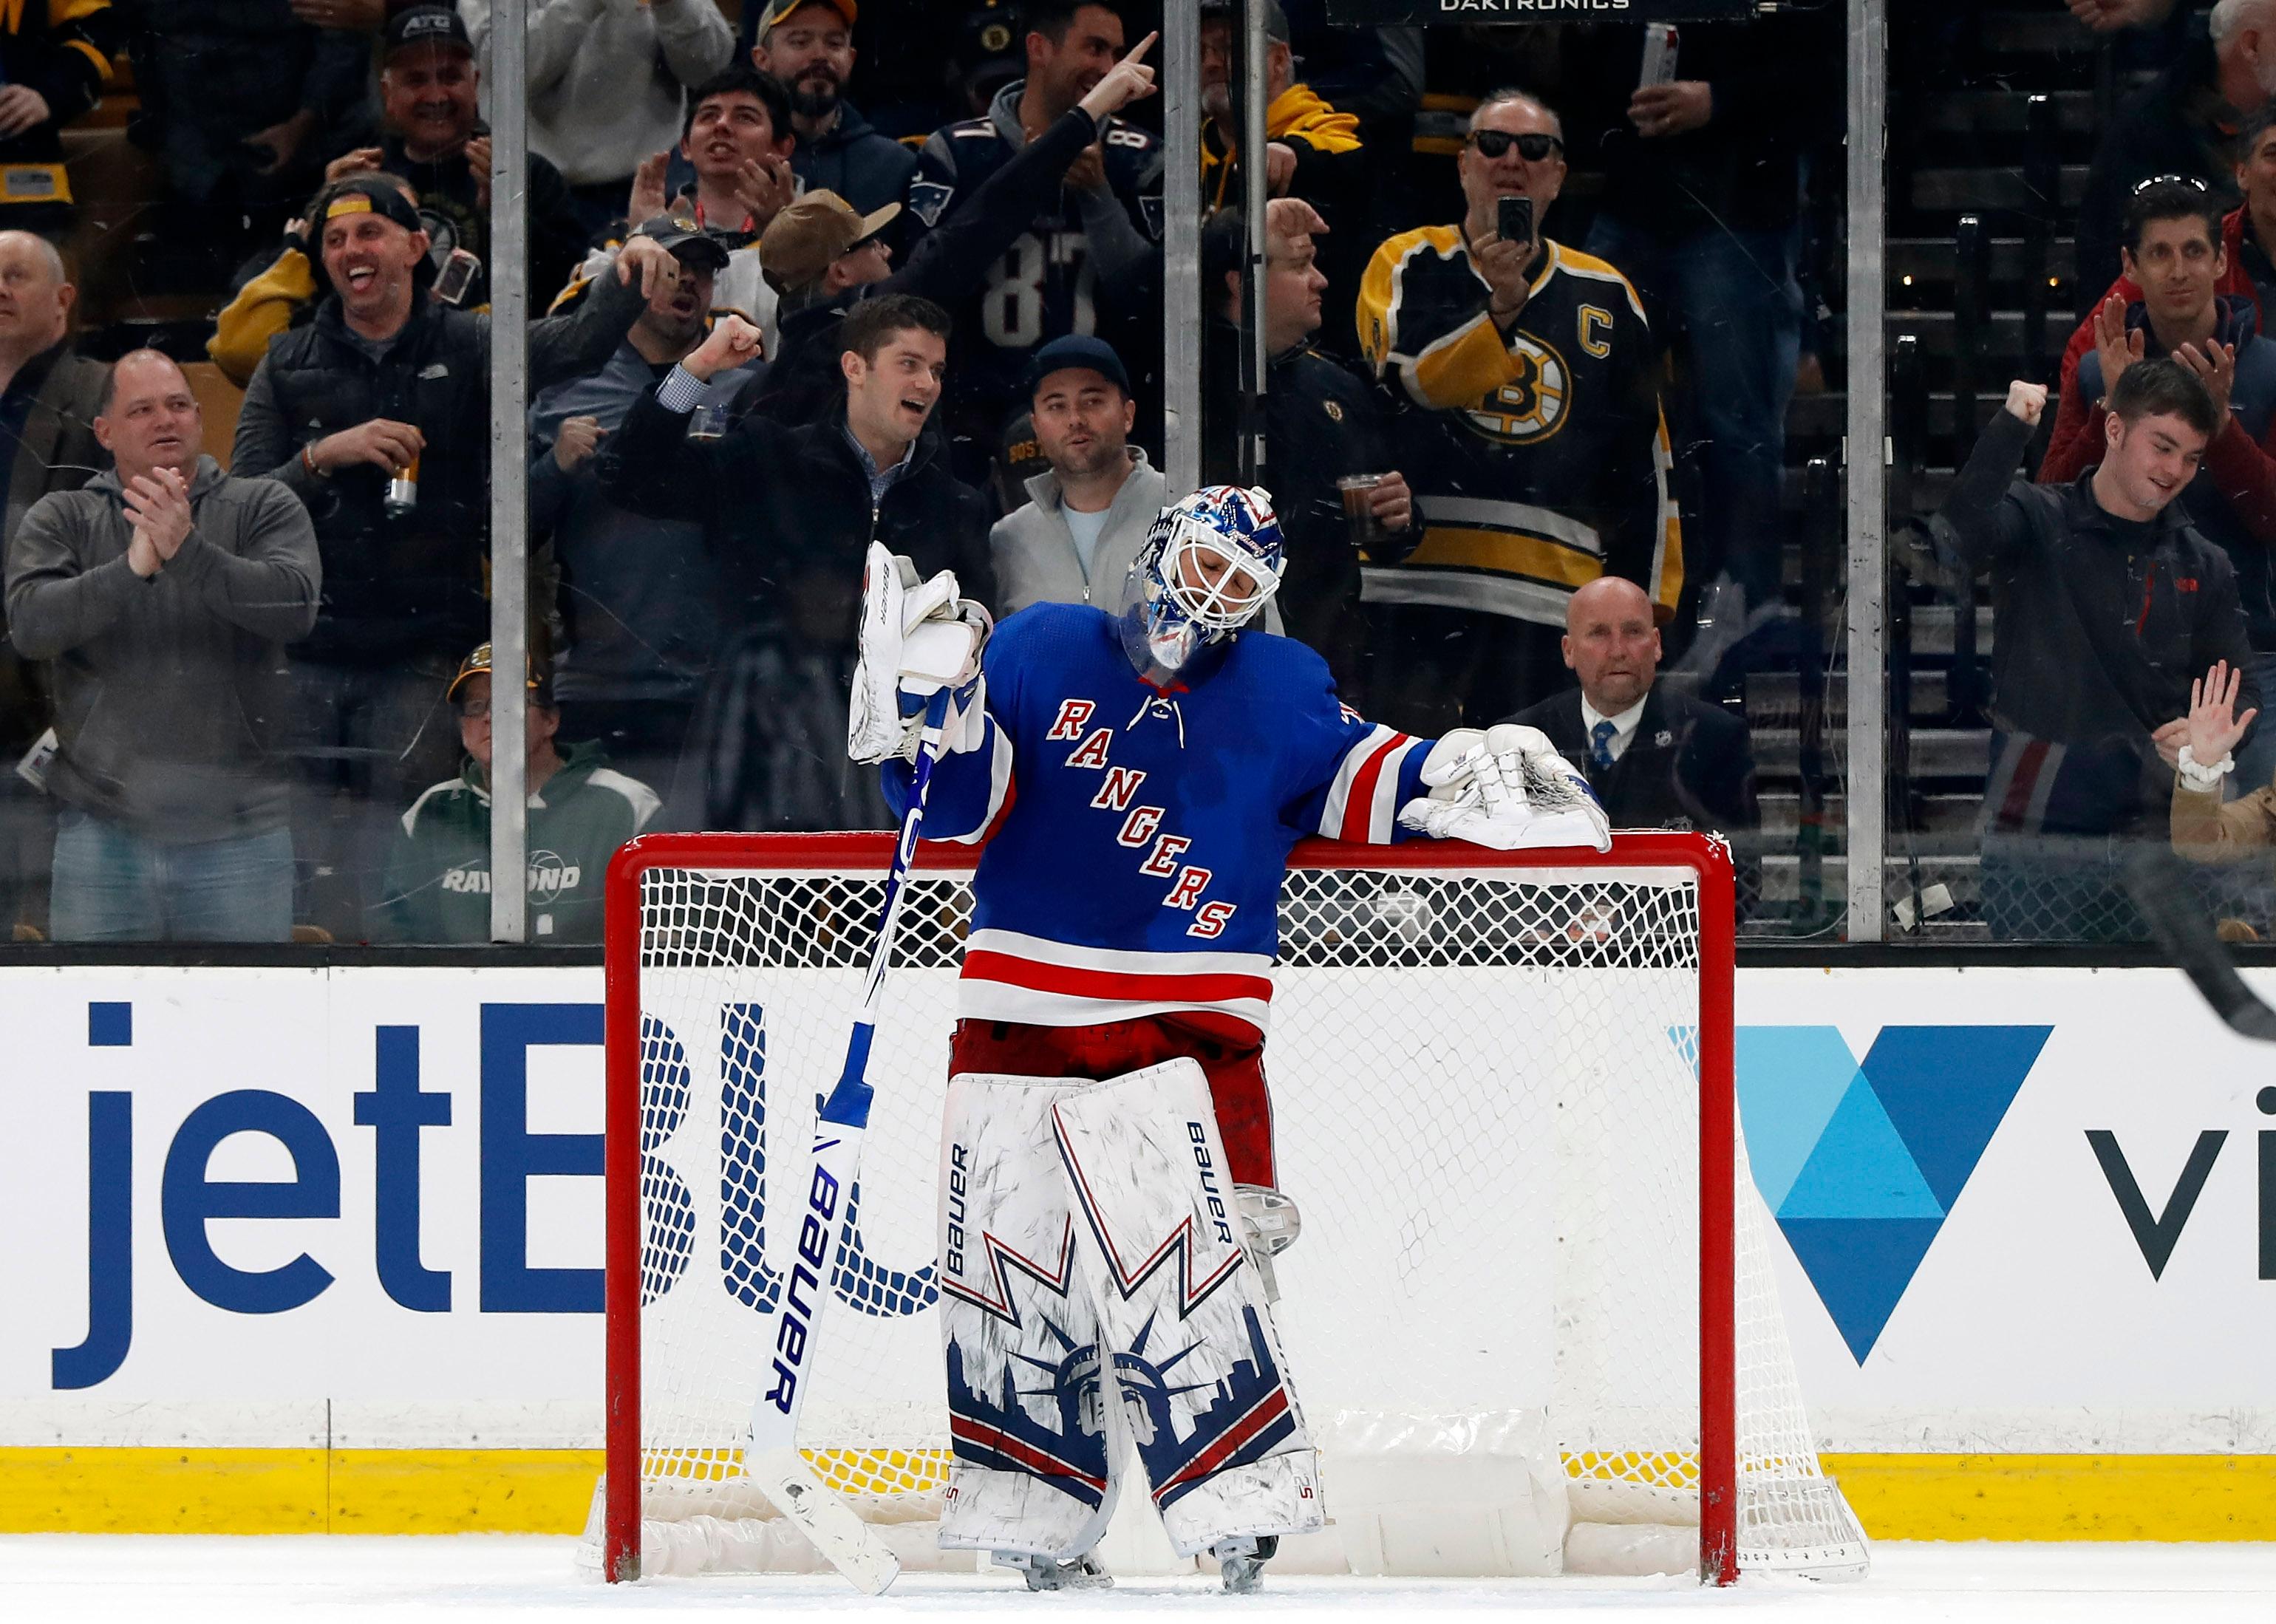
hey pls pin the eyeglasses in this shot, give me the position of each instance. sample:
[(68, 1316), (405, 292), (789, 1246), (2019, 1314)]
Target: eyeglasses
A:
[(1531, 146), (2169, 181)]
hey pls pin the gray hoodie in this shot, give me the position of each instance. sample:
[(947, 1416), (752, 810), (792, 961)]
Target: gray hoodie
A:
[(169, 693)]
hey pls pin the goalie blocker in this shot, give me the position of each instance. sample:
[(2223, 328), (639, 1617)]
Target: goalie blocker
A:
[(1094, 1226)]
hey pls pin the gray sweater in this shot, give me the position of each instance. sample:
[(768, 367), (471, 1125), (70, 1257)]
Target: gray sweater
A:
[(171, 693)]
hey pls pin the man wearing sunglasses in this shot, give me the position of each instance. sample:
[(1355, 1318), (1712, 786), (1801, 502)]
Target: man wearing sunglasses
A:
[(1540, 461)]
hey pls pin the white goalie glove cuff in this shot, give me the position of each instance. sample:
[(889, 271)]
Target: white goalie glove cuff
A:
[(916, 638), (1506, 788)]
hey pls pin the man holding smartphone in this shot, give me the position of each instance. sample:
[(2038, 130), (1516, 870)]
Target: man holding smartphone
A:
[(1540, 460)]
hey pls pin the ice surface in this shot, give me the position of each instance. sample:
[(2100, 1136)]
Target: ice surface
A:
[(474, 1579)]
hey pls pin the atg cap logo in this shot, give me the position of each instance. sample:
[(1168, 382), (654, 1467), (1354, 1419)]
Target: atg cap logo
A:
[(1862, 1161)]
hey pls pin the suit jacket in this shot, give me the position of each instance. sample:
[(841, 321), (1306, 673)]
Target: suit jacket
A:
[(1688, 764)]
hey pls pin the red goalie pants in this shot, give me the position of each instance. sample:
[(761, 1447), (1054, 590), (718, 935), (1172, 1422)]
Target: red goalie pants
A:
[(1233, 1065)]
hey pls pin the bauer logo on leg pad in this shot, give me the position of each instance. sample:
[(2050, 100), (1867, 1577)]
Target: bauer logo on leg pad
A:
[(1211, 1196)]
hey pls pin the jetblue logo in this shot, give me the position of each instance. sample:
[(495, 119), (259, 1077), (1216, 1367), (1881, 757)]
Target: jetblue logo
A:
[(1861, 1161)]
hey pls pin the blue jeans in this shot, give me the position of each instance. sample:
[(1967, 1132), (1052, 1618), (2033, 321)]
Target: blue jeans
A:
[(114, 885), (1734, 296)]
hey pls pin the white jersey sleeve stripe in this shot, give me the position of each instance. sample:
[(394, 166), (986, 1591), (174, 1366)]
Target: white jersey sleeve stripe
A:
[(1333, 814)]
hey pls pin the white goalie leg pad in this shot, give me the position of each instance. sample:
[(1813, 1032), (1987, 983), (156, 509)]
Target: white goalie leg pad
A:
[(1205, 1384), (1034, 1442)]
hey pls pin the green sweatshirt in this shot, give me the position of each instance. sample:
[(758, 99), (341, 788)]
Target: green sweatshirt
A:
[(438, 875)]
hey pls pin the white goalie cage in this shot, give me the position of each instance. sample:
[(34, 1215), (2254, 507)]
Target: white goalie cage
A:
[(1531, 1320)]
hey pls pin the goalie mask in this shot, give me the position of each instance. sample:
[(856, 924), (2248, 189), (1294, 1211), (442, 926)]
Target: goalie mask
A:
[(1208, 567)]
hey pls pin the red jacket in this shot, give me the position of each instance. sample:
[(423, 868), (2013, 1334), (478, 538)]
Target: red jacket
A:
[(2244, 472), (2234, 279)]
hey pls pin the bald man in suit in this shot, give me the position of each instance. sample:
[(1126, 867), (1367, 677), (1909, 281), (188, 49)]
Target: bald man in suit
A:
[(1657, 759)]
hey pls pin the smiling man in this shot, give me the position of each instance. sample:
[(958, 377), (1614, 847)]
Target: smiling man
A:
[(808, 45), (429, 103), (384, 381), (163, 592), (2105, 600), (789, 511), (2176, 261)]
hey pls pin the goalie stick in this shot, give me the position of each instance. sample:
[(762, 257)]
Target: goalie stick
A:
[(770, 1456), (2162, 891)]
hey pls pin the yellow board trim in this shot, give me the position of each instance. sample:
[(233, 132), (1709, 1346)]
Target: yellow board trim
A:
[(2068, 1497)]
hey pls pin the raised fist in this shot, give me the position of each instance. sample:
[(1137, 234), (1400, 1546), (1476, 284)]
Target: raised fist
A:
[(2026, 400), (733, 341)]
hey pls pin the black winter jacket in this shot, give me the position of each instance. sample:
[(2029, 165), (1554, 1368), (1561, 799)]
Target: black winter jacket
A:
[(2097, 643), (787, 510), (865, 168), (396, 589), (787, 513)]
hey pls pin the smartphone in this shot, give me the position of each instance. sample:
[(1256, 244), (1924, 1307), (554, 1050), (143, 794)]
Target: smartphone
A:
[(1659, 46), (1514, 219), (458, 276)]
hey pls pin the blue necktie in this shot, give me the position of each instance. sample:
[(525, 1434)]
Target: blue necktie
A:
[(1600, 744)]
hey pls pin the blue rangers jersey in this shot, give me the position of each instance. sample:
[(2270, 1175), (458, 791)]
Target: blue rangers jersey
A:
[(1137, 838), (1083, 265)]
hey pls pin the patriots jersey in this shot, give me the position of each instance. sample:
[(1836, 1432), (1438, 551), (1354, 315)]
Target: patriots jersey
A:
[(1137, 838), (1051, 279), (1540, 461)]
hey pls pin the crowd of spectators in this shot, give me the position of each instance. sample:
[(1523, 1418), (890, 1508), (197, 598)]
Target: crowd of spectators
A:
[(814, 274)]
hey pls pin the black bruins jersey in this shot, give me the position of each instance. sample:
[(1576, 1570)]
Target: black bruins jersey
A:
[(1541, 461)]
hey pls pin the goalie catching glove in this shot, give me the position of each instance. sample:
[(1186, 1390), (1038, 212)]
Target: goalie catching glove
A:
[(1506, 788), (917, 637)]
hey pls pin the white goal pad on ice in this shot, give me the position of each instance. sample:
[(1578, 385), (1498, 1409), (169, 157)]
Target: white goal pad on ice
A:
[(1531, 1319)]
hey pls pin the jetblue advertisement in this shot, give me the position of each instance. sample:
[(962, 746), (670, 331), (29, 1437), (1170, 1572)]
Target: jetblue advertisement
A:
[(2007, 1210)]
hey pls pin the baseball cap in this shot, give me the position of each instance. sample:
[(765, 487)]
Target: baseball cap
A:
[(776, 10), (801, 242), (1276, 21), (356, 194), (685, 240), (1076, 350), (426, 25), (478, 664), (988, 50)]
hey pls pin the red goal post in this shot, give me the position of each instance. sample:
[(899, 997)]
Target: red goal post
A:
[(814, 881)]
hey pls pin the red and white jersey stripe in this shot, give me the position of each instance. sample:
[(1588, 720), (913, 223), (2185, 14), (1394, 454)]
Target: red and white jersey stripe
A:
[(1362, 804), (1011, 976)]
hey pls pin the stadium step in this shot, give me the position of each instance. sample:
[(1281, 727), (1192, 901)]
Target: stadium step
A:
[(1937, 752), (1967, 191), (1945, 824), (1774, 697)]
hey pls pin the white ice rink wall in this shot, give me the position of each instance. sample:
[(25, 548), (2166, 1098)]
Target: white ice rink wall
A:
[(320, 1247)]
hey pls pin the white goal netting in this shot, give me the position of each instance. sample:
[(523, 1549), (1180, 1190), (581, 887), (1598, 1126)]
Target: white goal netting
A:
[(1486, 1103)]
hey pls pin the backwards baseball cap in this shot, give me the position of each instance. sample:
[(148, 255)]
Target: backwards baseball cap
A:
[(778, 9), (802, 242), (1076, 350), (686, 241), (478, 664), (1276, 21), (425, 25), (359, 194)]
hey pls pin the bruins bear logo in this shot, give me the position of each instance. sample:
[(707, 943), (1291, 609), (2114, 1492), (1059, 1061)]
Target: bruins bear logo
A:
[(1530, 407)]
